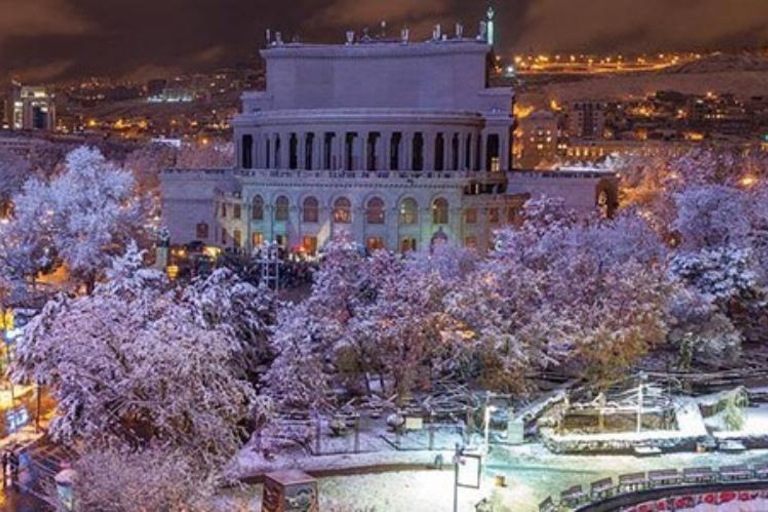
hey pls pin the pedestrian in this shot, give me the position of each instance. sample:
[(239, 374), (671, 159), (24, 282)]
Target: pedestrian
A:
[(5, 468)]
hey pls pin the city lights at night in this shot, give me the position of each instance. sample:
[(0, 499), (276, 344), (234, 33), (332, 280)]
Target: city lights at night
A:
[(384, 256)]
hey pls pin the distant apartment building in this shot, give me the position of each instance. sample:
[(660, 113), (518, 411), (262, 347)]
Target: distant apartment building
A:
[(536, 138), (586, 120), (31, 108)]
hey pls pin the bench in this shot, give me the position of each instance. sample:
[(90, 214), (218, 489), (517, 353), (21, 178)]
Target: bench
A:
[(601, 488), (573, 496), (632, 481), (664, 477), (698, 475), (547, 505), (735, 473)]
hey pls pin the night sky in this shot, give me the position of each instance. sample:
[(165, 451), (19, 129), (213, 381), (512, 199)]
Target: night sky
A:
[(44, 40)]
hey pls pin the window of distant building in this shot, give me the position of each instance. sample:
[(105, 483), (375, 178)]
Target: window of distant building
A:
[(407, 245), (493, 215), (309, 245), (311, 210), (374, 243), (409, 212), (237, 212), (374, 211), (237, 238), (224, 237), (282, 209), (257, 208), (470, 215), (342, 211), (470, 242), (202, 231), (440, 211), (223, 210), (257, 238)]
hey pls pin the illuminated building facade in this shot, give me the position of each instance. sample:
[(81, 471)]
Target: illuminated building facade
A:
[(394, 144), (32, 108)]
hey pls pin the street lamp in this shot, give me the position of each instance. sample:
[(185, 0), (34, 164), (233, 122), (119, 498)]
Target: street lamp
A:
[(642, 377), (489, 409)]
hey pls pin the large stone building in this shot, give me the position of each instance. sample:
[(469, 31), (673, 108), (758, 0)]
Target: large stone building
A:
[(395, 144)]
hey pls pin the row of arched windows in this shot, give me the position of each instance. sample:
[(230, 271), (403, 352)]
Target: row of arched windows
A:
[(375, 210)]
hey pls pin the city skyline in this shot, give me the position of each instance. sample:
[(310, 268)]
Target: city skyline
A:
[(141, 39)]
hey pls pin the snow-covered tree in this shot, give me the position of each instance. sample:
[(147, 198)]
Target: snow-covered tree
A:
[(224, 301), (588, 293), (130, 364), (121, 478), (299, 376), (711, 216), (699, 330), (81, 217)]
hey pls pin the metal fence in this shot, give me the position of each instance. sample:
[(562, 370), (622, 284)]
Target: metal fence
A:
[(579, 496)]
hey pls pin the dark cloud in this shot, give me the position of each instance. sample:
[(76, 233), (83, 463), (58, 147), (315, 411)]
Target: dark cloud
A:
[(46, 39)]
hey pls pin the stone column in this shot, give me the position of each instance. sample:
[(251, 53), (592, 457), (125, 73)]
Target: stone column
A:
[(380, 147), (484, 152), (407, 151), (318, 150), (462, 150), (505, 150), (359, 151), (448, 151), (386, 151), (364, 151), (429, 150), (472, 151), (285, 149), (340, 151), (301, 150)]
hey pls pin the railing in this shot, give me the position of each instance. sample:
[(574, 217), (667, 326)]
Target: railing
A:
[(371, 175), (579, 497)]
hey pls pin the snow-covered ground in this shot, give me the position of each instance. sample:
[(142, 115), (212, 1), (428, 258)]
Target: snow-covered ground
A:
[(532, 474), (755, 423)]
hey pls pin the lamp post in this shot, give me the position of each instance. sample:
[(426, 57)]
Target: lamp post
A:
[(489, 409), (7, 325), (456, 461), (642, 377)]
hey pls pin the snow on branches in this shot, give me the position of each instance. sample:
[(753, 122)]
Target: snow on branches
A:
[(131, 364), (81, 217)]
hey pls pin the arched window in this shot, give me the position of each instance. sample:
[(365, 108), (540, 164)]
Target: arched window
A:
[(281, 209), (311, 210), (237, 238), (374, 212), (409, 212), (342, 211), (440, 211), (257, 208)]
